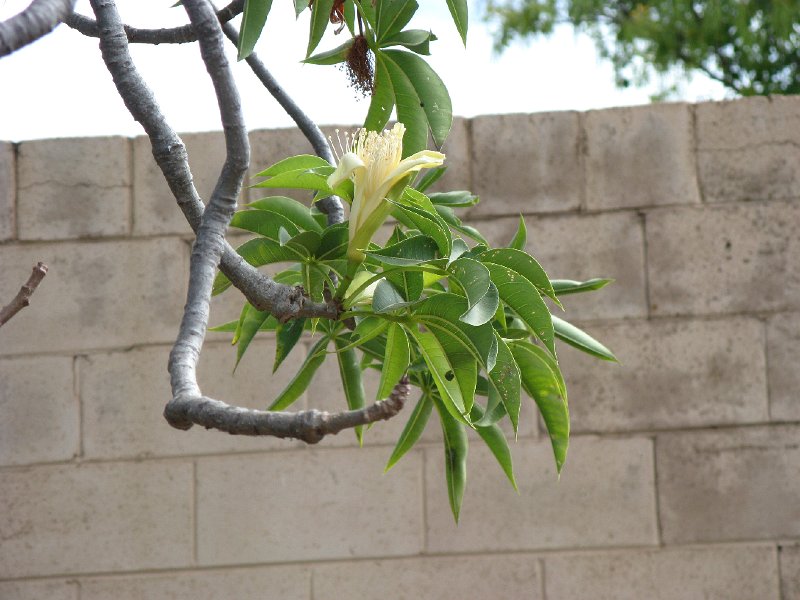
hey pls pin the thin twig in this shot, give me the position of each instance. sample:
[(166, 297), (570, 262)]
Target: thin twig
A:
[(331, 206), (23, 297), (173, 35), (36, 21)]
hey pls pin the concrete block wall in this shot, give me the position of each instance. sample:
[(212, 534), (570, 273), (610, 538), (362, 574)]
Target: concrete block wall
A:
[(683, 476)]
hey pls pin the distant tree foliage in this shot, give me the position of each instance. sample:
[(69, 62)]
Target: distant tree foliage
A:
[(749, 46)]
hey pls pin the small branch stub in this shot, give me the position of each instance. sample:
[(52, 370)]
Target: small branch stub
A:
[(23, 297)]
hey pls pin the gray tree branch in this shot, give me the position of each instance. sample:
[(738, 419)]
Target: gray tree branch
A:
[(173, 35), (23, 297), (39, 19), (285, 302)]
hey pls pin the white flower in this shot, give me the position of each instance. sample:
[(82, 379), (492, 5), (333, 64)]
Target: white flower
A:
[(372, 161)]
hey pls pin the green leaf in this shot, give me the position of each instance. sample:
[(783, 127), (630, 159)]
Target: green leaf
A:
[(495, 439), (306, 243), (523, 297), (441, 370), (299, 383), (383, 94), (231, 326), (409, 106), (300, 6), (294, 211), (264, 223), (320, 14), (504, 381), (386, 298), (485, 309), (253, 20), (542, 381), (524, 264), (448, 216), (465, 367), (414, 428), (455, 199), (259, 252), (350, 372), (520, 238), (301, 179), (286, 336), (395, 361), (474, 279), (581, 340), (250, 323), (392, 16), (334, 242), (293, 163), (416, 40), (459, 10), (411, 251), (331, 57), (417, 212), (456, 446), (431, 92), (562, 287)]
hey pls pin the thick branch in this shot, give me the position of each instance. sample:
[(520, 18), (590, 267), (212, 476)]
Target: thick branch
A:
[(174, 35), (209, 245), (23, 297), (39, 19), (170, 154), (331, 206), (309, 426)]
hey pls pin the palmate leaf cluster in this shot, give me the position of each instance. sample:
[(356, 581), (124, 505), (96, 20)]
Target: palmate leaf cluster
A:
[(469, 325), (750, 47)]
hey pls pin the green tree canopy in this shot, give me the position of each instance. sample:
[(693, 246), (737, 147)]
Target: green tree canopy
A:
[(751, 47)]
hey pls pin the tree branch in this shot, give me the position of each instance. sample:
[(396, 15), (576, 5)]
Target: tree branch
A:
[(331, 206), (174, 35), (285, 302), (309, 426), (23, 297), (39, 19)]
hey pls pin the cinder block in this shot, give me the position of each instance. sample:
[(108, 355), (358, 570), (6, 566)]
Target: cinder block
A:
[(36, 590), (673, 374), (641, 156), (95, 518), (747, 149), (736, 484), (72, 188), (783, 340), (526, 163), (155, 208), (124, 394), (465, 577), (8, 192), (790, 570), (611, 245), (95, 295), (40, 413), (286, 583), (357, 511), (724, 259), (605, 497), (753, 121), (716, 573)]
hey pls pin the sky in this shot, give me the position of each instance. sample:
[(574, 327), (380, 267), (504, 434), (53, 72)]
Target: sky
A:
[(59, 87)]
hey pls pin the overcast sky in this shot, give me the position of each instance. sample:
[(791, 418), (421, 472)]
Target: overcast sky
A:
[(58, 87)]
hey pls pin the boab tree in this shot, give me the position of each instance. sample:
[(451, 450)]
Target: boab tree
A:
[(434, 309)]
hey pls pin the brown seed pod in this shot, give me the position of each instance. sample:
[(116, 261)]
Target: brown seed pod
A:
[(360, 66)]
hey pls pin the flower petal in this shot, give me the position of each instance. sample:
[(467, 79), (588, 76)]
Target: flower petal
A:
[(349, 164)]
